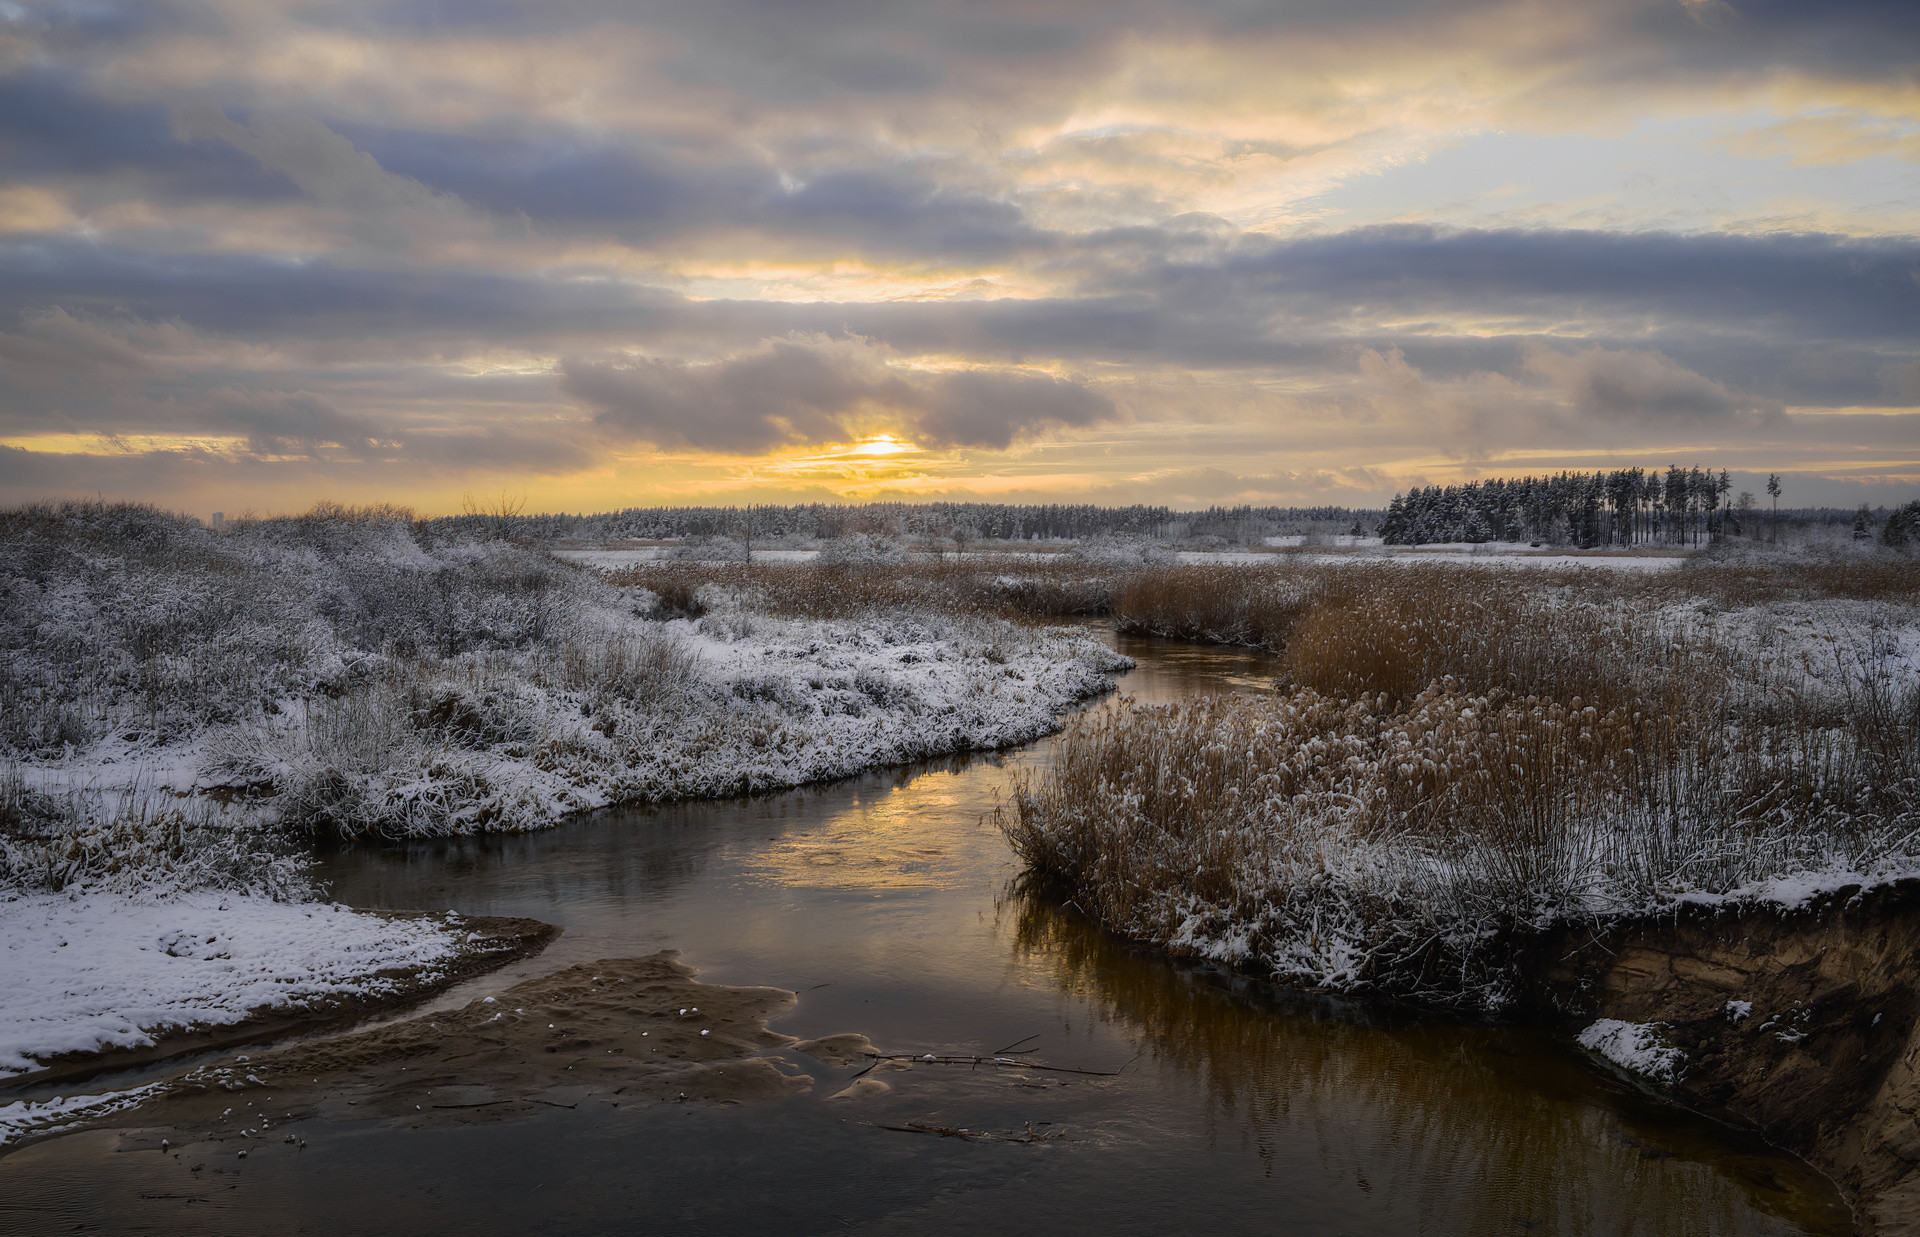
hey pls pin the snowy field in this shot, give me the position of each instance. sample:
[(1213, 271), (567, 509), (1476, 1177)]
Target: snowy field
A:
[(87, 972), (1362, 549)]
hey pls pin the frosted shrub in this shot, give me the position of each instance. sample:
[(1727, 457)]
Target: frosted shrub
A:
[(1123, 552), (860, 550), (345, 673)]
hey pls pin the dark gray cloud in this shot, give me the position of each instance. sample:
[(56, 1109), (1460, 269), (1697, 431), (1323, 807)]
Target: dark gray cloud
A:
[(52, 125), (1637, 386), (798, 51), (284, 422), (263, 296), (553, 177), (983, 408), (641, 191), (1841, 38), (783, 394), (791, 392), (1818, 319), (1806, 286)]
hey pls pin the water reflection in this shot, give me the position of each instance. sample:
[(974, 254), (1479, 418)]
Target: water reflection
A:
[(1462, 1127)]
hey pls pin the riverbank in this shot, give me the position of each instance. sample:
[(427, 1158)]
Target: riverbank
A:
[(1795, 1016), (1449, 774), (882, 902), (104, 981)]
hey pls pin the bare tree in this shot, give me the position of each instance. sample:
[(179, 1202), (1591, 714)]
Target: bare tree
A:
[(499, 511)]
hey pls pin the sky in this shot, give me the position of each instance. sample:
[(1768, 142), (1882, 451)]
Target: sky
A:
[(592, 254)]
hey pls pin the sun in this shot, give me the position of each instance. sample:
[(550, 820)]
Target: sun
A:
[(881, 444)]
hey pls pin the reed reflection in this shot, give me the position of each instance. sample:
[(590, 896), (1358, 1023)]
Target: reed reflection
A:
[(1455, 1126)]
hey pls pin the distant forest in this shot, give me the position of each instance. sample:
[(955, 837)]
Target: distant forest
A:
[(1625, 507), (964, 521), (1628, 506)]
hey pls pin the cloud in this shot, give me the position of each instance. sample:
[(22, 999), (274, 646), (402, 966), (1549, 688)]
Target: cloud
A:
[(1634, 386), (51, 124), (984, 408), (790, 392), (394, 239), (284, 422)]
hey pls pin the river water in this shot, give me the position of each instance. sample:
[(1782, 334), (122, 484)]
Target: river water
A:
[(891, 904)]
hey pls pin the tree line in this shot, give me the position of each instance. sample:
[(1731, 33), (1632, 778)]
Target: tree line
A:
[(946, 520), (1627, 506)]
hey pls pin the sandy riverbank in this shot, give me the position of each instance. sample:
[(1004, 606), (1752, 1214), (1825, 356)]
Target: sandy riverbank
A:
[(183, 1020)]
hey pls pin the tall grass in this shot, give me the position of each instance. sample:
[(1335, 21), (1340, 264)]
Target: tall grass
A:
[(987, 585), (1457, 759), (130, 843)]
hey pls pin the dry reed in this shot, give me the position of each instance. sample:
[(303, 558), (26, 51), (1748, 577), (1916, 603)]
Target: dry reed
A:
[(1457, 758)]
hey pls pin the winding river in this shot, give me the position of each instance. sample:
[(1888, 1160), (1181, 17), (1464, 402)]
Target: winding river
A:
[(890, 904)]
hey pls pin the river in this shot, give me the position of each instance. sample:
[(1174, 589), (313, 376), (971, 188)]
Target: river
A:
[(890, 903)]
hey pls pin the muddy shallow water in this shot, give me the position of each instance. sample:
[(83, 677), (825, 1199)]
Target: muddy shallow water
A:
[(889, 905)]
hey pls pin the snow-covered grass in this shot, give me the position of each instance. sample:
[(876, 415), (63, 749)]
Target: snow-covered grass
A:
[(343, 672), (1455, 761), (97, 970), (730, 702), (131, 844), (180, 707)]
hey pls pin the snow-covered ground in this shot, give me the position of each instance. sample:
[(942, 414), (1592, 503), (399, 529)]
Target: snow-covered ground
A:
[(730, 703), (1501, 554), (613, 560), (91, 971)]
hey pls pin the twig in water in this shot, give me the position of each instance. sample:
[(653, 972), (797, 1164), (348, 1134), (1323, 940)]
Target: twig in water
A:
[(929, 1059), (481, 1104)]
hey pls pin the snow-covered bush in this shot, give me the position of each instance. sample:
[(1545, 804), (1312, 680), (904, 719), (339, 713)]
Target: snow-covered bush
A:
[(1902, 529), (860, 550), (1123, 552), (709, 550), (341, 673)]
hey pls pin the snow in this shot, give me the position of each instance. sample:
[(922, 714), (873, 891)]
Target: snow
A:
[(91, 971), (343, 676), (1342, 549), (611, 560), (615, 560), (748, 703), (41, 1116), (1497, 554), (1636, 1047)]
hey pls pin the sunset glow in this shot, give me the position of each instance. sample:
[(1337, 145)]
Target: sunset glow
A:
[(257, 254)]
